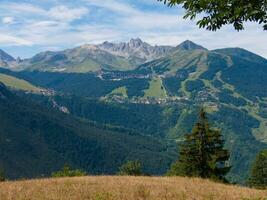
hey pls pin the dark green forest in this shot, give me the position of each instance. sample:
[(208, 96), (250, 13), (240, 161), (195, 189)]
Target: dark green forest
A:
[(36, 141)]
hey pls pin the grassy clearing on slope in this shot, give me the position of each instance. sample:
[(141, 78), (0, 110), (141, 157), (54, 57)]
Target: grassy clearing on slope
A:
[(18, 84), (120, 91), (125, 188), (260, 133), (156, 89)]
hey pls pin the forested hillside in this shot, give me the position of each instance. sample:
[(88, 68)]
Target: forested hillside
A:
[(35, 141)]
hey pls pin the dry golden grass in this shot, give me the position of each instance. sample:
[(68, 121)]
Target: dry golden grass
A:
[(125, 188)]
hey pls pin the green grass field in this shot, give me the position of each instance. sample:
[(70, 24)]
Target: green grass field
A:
[(120, 91)]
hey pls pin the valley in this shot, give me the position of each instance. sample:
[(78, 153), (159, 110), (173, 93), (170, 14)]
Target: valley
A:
[(155, 92)]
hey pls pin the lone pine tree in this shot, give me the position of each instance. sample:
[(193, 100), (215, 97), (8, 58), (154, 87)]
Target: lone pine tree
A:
[(202, 154)]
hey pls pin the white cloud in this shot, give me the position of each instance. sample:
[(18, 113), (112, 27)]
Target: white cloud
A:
[(65, 13), (13, 40), (147, 21), (45, 27), (39, 26), (133, 17), (115, 6), (8, 20), (22, 8), (60, 12)]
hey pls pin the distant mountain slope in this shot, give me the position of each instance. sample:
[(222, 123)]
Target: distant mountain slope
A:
[(82, 59), (5, 58), (241, 53), (91, 58), (18, 84), (87, 58), (245, 71), (34, 141), (171, 64)]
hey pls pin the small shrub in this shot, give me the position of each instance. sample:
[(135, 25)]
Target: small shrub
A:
[(68, 172), (175, 170), (131, 168), (2, 176)]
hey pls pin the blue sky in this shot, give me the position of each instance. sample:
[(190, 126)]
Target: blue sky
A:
[(30, 26)]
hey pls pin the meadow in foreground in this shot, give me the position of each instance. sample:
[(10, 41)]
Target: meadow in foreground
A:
[(125, 188)]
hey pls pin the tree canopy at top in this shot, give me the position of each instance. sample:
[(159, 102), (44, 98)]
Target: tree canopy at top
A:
[(222, 12)]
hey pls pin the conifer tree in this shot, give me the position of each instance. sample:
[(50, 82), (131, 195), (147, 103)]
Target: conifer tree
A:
[(258, 177), (202, 154)]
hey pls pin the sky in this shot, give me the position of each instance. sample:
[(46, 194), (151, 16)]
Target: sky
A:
[(28, 27)]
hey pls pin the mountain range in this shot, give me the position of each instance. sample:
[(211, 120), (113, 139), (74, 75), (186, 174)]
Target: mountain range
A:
[(154, 91), (86, 58)]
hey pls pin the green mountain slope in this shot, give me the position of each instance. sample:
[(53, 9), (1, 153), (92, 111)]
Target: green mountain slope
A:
[(18, 84), (82, 59), (35, 141), (161, 97)]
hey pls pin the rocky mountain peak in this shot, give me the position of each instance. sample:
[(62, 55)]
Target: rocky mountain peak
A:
[(107, 44), (135, 48), (18, 60), (189, 45), (135, 42)]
